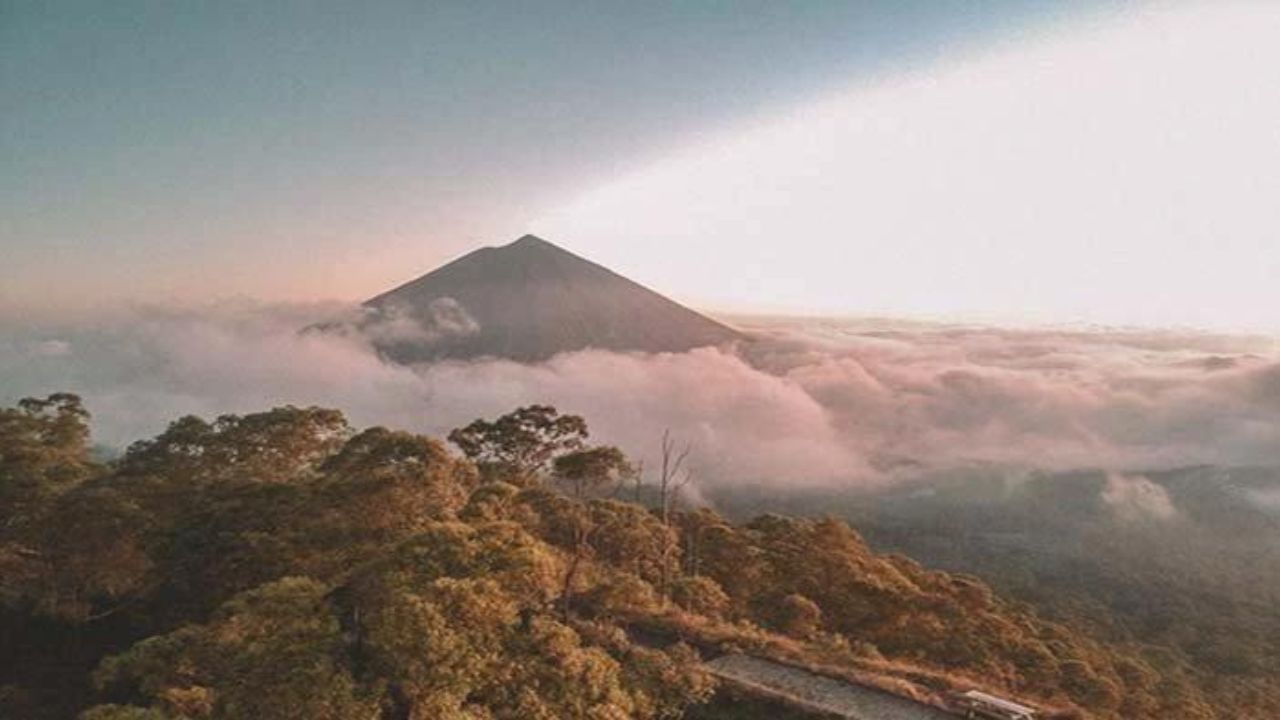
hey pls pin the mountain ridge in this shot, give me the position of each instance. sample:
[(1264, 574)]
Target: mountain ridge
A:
[(528, 301)]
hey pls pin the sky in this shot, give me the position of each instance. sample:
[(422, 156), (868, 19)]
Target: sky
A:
[(1083, 162), (1117, 170)]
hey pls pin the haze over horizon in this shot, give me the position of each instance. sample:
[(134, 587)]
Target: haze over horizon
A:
[(811, 162)]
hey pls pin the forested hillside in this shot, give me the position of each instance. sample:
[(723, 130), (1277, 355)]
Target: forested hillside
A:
[(1185, 560), (286, 565)]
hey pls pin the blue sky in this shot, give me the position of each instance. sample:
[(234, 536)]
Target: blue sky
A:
[(1086, 162), (289, 150)]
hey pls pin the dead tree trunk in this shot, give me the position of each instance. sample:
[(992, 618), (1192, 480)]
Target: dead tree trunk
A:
[(581, 539), (671, 480)]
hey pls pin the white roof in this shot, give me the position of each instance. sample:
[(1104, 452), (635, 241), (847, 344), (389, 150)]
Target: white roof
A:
[(998, 702)]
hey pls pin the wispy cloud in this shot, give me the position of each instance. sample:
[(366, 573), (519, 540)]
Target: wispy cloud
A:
[(1136, 498)]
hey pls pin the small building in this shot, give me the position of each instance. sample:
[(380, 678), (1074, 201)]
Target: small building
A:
[(977, 704)]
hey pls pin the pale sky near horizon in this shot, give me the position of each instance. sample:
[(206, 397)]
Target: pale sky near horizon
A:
[(1107, 162)]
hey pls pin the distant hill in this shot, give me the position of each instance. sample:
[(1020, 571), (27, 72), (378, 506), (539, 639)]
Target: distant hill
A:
[(528, 301)]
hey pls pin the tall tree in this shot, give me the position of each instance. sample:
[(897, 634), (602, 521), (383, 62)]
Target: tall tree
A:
[(672, 478), (586, 472), (518, 446), (44, 451)]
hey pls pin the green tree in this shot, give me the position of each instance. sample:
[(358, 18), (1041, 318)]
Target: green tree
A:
[(666, 683), (586, 472), (798, 616), (275, 652), (518, 446), (389, 484), (282, 445), (701, 596), (439, 643), (633, 539), (44, 451)]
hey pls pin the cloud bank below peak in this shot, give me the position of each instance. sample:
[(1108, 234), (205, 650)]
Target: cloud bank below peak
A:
[(809, 402)]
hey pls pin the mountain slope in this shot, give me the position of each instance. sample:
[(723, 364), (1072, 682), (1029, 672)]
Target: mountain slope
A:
[(527, 301)]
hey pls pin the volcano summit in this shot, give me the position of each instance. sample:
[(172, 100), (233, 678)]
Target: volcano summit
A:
[(528, 301)]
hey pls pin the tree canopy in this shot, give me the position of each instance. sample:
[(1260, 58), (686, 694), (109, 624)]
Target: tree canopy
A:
[(285, 565), (519, 445)]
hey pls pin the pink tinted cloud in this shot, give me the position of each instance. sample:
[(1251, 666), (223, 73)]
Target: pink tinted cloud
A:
[(808, 402)]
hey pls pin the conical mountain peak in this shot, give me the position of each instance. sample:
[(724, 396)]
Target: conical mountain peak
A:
[(534, 241), (527, 245), (530, 300)]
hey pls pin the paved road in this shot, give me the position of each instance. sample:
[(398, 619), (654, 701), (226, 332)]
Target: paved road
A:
[(818, 693)]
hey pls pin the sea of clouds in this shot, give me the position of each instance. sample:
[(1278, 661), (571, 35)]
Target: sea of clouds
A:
[(809, 401)]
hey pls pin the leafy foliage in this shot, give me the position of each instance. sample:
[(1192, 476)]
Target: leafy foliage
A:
[(44, 450), (1192, 593), (284, 565), (519, 445)]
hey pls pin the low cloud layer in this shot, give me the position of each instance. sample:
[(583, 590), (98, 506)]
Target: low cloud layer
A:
[(1135, 498), (443, 320), (1049, 399), (809, 402)]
